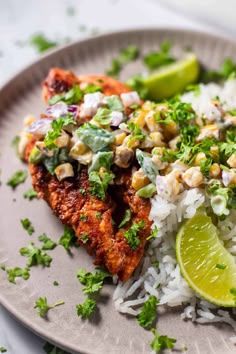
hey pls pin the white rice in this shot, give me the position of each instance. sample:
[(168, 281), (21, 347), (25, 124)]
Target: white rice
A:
[(165, 281)]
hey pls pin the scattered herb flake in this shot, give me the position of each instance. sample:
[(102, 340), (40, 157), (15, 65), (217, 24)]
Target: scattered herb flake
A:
[(68, 238), (41, 43), (82, 191), (148, 312), (17, 178), (92, 282), (35, 256), (3, 267), (27, 225), (126, 218), (15, 144), (43, 307), (84, 238), (98, 215), (132, 234), (156, 59), (55, 132), (86, 309), (83, 217), (18, 272), (55, 283), (3, 350), (99, 184), (220, 266), (161, 342), (154, 233), (126, 55), (30, 194), (48, 244)]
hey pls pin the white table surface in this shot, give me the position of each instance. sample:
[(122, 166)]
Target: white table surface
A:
[(19, 20)]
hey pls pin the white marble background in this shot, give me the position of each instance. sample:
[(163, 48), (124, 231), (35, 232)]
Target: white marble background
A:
[(19, 20)]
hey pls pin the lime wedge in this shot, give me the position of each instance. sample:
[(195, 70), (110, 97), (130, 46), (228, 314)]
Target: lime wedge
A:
[(206, 265), (173, 78)]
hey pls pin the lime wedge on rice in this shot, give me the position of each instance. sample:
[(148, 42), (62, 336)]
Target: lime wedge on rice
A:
[(172, 78), (206, 265)]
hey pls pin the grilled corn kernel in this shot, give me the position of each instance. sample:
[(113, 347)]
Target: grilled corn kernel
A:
[(86, 158), (168, 185), (193, 177), (28, 120), (63, 140), (131, 142), (170, 130), (123, 156), (43, 149), (139, 180), (215, 170), (119, 138), (140, 119), (214, 152), (63, 171), (151, 122), (232, 161), (157, 139), (200, 157), (209, 131), (78, 149)]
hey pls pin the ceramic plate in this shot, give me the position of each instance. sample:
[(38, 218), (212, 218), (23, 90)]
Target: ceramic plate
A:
[(109, 331)]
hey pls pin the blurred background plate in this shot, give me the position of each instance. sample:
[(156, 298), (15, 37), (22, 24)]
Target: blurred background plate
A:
[(110, 331)]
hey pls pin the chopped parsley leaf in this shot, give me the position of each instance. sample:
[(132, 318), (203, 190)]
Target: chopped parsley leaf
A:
[(99, 184), (82, 191), (83, 217), (3, 267), (156, 59), (115, 68), (86, 309), (35, 255), (41, 43), (126, 218), (43, 307), (98, 215), (161, 342), (15, 144), (68, 238), (154, 233), (48, 244), (17, 272), (30, 194), (55, 283), (92, 282), (132, 234), (205, 165), (136, 132), (148, 312), (26, 223), (17, 178), (55, 132), (84, 238), (220, 266)]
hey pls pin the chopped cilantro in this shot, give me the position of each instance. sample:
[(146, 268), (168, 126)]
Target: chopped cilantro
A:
[(27, 225), (154, 233), (35, 256), (43, 307), (55, 283), (126, 218), (30, 194), (84, 238), (86, 309), (48, 244), (17, 178), (156, 59), (92, 282), (18, 272), (115, 68), (136, 84), (55, 132), (99, 215), (148, 312), (161, 342), (3, 267), (68, 238), (74, 95), (220, 266), (15, 144), (41, 43), (83, 217), (227, 70), (90, 88), (132, 234), (114, 103), (103, 116), (99, 184), (136, 132), (205, 165)]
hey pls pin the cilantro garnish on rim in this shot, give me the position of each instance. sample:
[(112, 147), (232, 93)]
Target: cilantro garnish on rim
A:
[(43, 307), (17, 178)]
